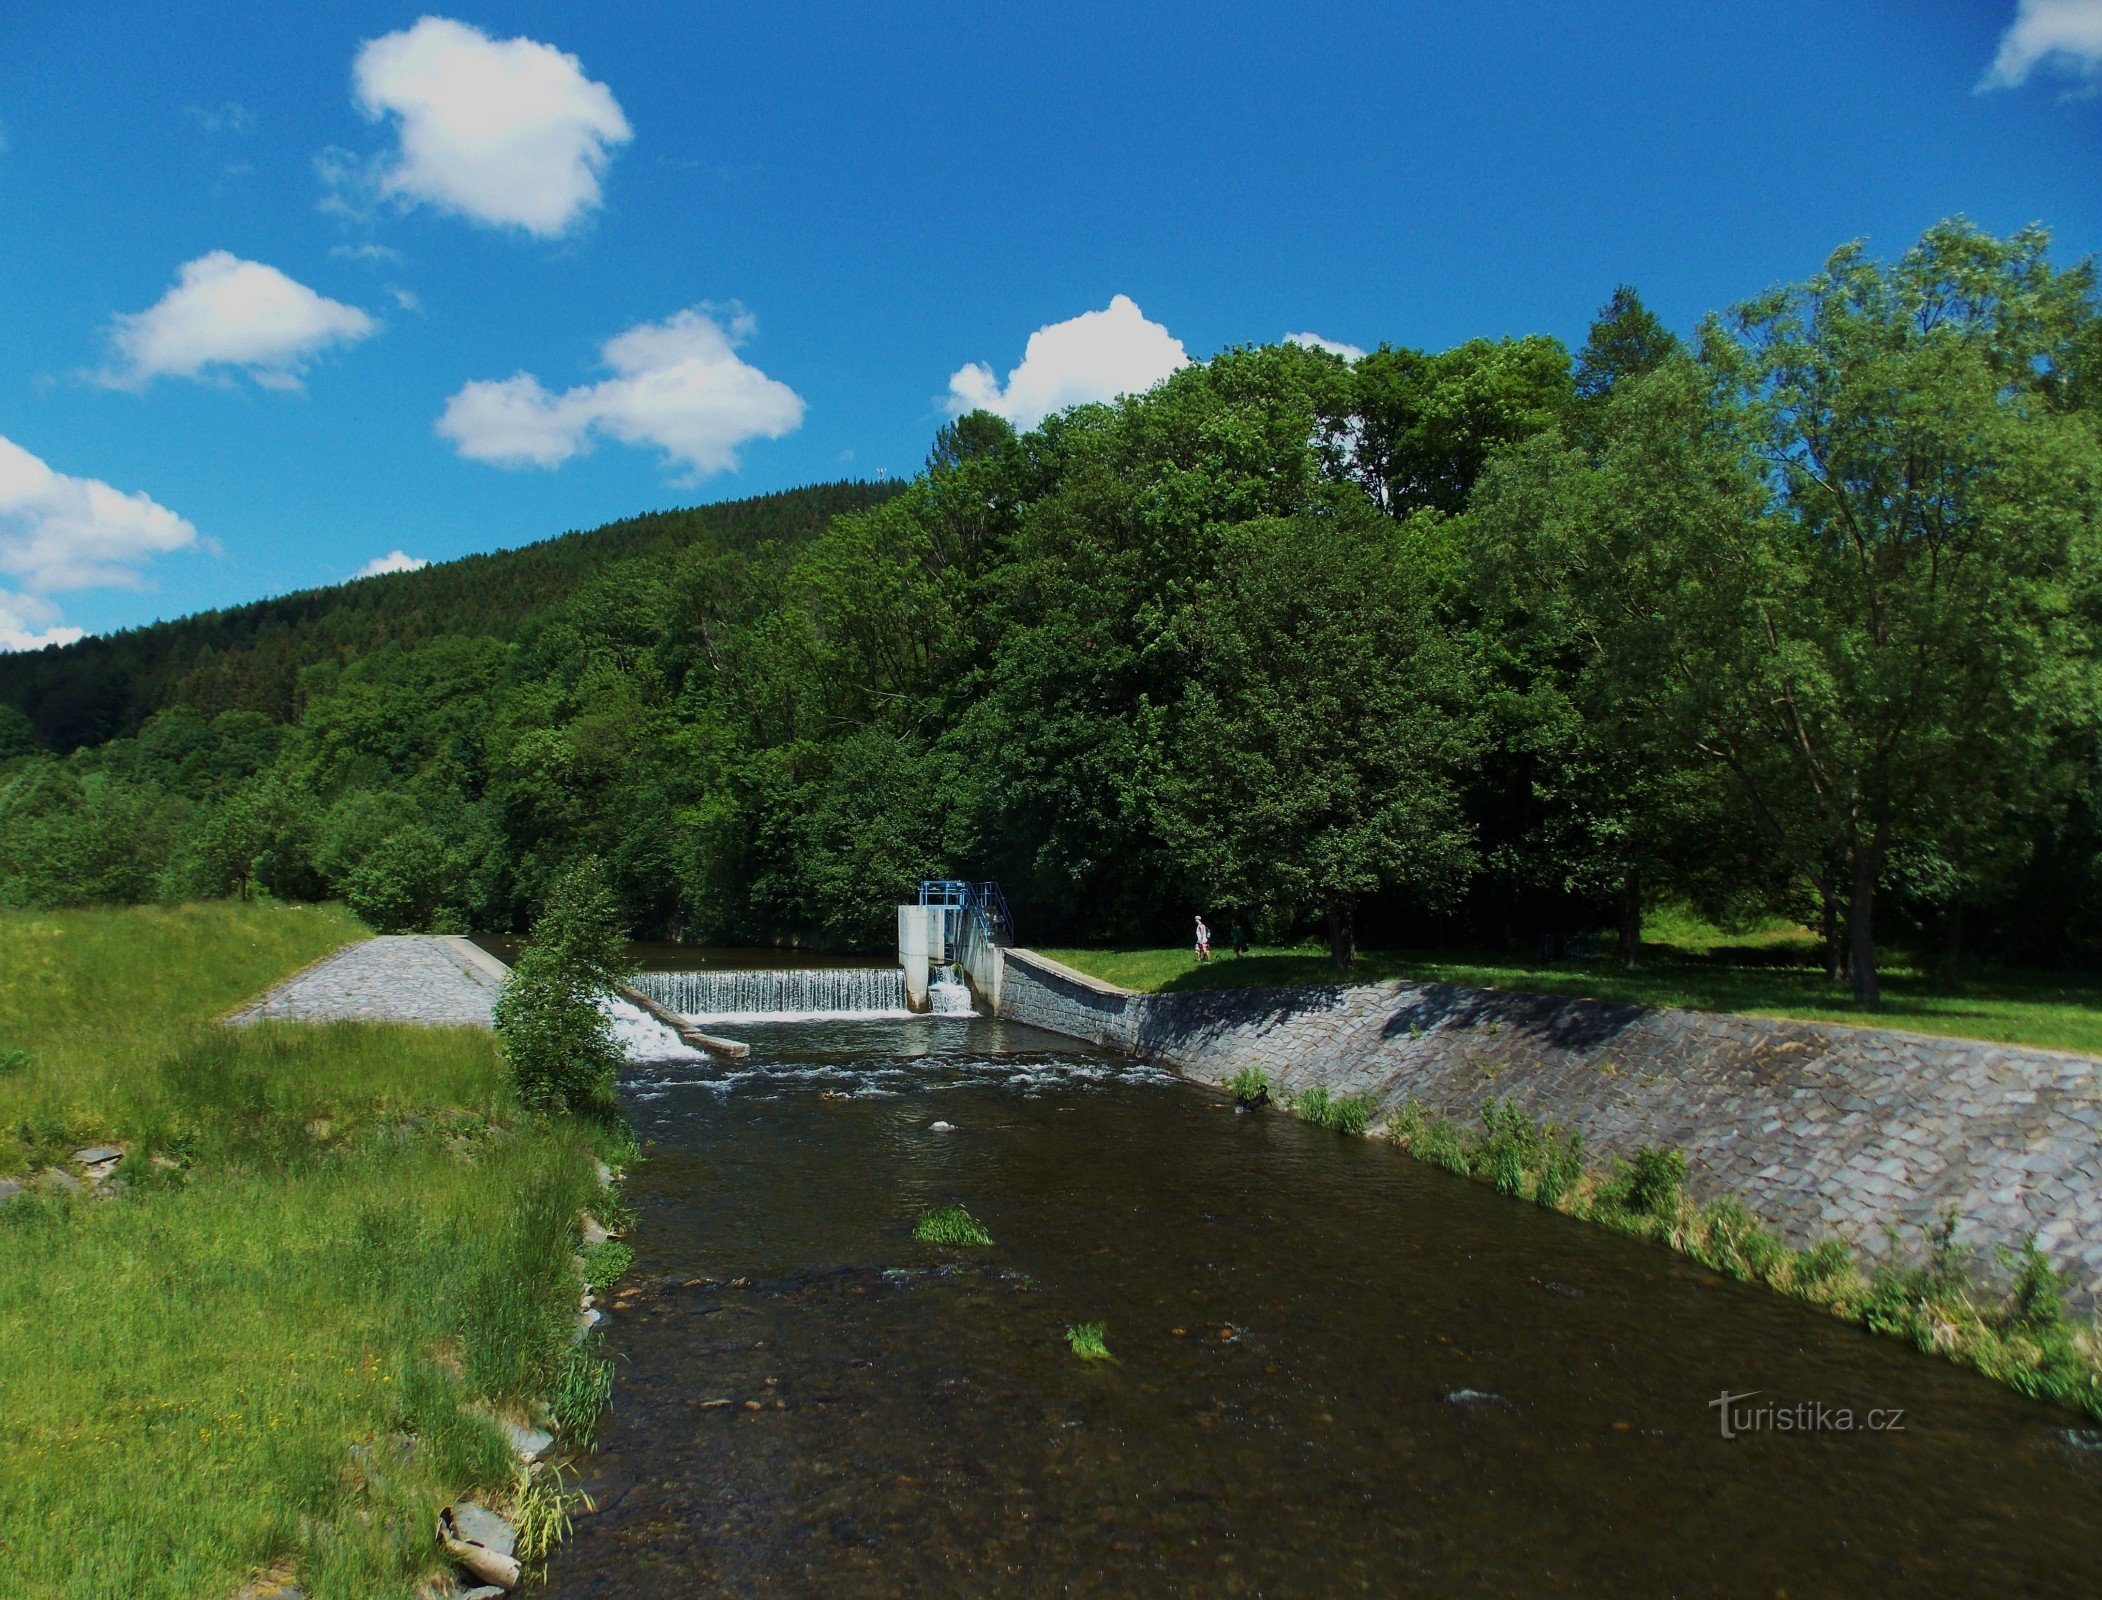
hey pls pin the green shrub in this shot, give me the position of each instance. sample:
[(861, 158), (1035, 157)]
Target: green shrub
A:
[(1248, 1083), (2035, 1305), (1561, 1166), (14, 1061), (1823, 1270), (556, 1038), (951, 1225), (1727, 1237)]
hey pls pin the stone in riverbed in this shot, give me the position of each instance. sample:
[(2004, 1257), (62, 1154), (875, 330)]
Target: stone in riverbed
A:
[(594, 1233), (531, 1443), (473, 1524), (58, 1178), (100, 1155), (586, 1321), (9, 1189)]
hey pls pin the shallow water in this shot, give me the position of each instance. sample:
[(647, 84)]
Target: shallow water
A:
[(1337, 1371)]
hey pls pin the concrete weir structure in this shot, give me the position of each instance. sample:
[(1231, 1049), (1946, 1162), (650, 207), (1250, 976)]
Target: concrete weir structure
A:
[(1819, 1129)]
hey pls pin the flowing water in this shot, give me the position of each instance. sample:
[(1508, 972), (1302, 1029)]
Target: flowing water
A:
[(780, 993), (1337, 1371)]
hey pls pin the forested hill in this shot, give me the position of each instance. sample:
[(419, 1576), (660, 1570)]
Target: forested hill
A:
[(250, 657)]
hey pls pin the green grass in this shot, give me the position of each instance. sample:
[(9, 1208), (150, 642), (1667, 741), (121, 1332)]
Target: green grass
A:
[(341, 1250), (1089, 1341), (1771, 971), (951, 1225)]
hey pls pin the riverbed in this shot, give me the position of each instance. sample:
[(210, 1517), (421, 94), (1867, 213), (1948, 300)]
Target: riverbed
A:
[(1336, 1370)]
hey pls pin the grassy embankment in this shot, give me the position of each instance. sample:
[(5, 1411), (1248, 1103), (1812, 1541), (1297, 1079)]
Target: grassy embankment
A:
[(338, 1251), (1772, 972)]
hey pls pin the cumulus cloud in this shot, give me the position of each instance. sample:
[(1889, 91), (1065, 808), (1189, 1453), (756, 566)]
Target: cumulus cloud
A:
[(1097, 355), (1335, 347), (392, 561), (2063, 34), (59, 532), (226, 314), (506, 132), (678, 384)]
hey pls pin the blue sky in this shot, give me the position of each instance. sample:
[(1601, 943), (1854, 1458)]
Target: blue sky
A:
[(253, 256)]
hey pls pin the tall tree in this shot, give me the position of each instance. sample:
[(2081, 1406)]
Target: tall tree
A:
[(1313, 760)]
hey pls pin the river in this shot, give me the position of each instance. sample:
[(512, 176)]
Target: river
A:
[(1336, 1370)]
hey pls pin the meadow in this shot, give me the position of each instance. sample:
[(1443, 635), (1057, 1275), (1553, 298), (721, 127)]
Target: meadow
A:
[(338, 1256), (1770, 971)]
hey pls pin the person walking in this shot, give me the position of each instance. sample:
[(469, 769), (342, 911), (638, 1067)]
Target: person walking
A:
[(1204, 941), (1238, 938)]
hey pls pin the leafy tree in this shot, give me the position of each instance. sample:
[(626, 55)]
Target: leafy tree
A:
[(1312, 761), (555, 1035), (1426, 425)]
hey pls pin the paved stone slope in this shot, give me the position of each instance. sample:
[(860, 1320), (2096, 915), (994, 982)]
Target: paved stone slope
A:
[(1818, 1129), (391, 978)]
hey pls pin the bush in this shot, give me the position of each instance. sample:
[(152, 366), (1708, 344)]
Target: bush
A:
[(1348, 1113), (556, 1038), (1652, 1184)]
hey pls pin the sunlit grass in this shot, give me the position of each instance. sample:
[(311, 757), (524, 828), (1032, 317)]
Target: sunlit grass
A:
[(1771, 971), (338, 1253)]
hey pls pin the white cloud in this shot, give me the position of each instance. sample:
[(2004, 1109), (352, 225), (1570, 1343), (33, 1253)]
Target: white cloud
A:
[(367, 252), (1098, 355), (677, 384), (2065, 34), (22, 613), (59, 532), (225, 118), (506, 132), (392, 561), (228, 313), (1335, 347)]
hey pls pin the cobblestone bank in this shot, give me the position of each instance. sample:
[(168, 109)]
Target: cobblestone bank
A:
[(391, 978), (1818, 1129)]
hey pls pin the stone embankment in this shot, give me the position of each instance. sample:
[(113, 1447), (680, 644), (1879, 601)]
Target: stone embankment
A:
[(436, 980), (1819, 1129)]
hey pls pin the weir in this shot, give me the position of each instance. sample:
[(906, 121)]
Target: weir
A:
[(780, 992)]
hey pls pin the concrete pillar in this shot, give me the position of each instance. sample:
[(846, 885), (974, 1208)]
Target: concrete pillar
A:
[(919, 937)]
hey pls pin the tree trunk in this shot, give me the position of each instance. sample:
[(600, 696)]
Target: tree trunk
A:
[(1631, 918), (1341, 949), (1861, 941), (1835, 951)]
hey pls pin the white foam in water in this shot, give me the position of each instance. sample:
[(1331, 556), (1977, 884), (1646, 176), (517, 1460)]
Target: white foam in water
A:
[(950, 998), (642, 1037), (780, 994)]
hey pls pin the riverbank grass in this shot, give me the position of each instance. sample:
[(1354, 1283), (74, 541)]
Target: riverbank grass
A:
[(1939, 1300), (1772, 972), (332, 1259)]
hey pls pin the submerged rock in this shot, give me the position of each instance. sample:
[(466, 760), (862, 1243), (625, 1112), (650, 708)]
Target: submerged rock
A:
[(594, 1233), (941, 1127)]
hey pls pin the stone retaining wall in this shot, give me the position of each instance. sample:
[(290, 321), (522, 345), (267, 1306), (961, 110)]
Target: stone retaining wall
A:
[(1818, 1129)]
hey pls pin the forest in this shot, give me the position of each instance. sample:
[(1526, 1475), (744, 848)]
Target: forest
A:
[(1489, 646)]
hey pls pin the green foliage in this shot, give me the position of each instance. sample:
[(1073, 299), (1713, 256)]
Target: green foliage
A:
[(1651, 1183), (1248, 1082), (557, 1040), (1089, 1341), (951, 1225), (1347, 1113), (605, 1264), (14, 1061), (583, 1384)]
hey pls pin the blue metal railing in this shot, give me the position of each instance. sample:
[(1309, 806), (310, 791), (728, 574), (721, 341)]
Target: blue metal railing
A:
[(982, 902)]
